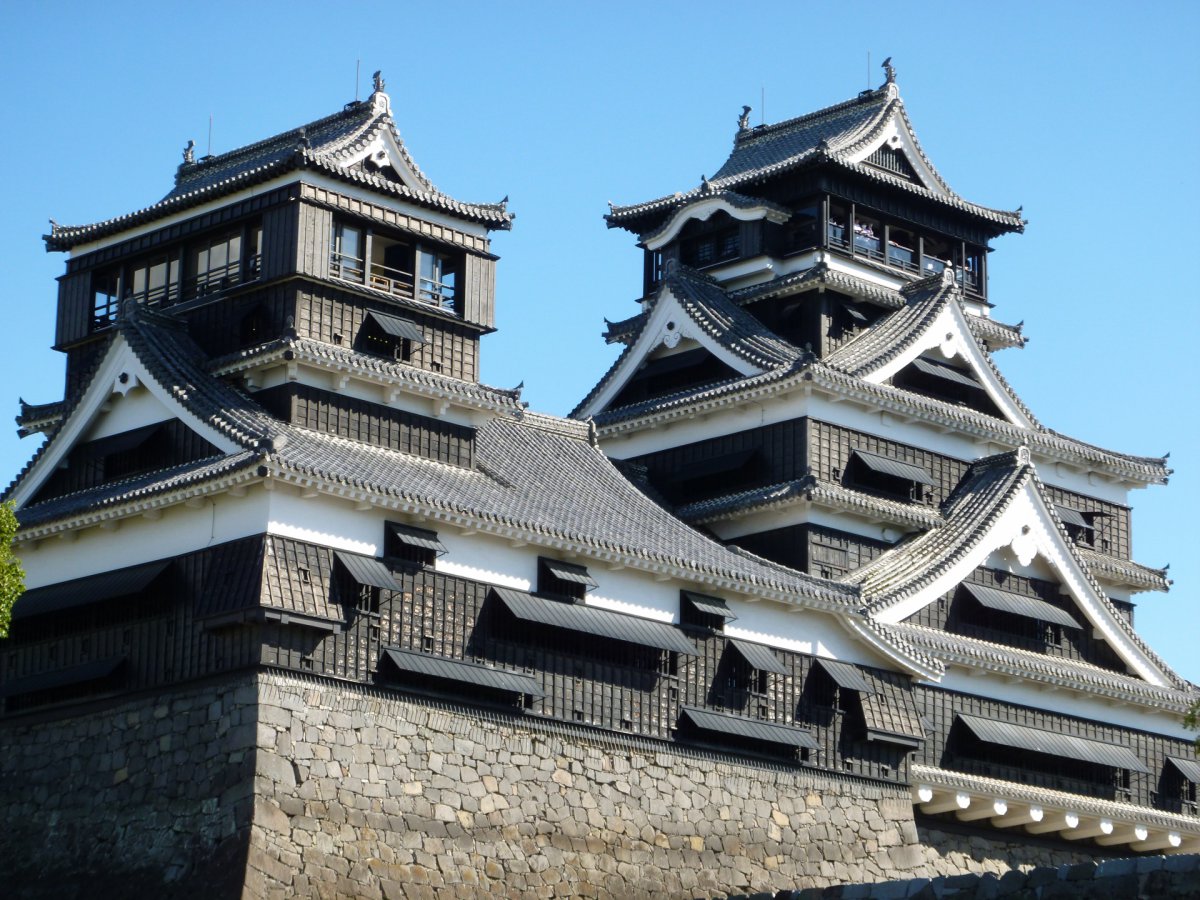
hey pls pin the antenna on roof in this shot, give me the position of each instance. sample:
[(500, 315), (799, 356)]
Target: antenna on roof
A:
[(209, 151), (868, 70), (357, 76), (762, 105)]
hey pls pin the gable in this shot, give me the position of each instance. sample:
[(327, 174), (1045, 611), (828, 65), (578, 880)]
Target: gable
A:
[(122, 407), (944, 353), (893, 148), (1028, 530)]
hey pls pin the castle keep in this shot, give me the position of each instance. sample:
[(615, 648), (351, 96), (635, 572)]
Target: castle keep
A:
[(800, 594)]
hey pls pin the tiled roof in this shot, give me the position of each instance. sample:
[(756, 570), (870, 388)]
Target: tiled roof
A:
[(35, 417), (819, 276), (324, 145), (1124, 571), (981, 497), (534, 474), (1003, 659), (831, 135), (710, 309), (734, 199), (342, 359), (809, 488)]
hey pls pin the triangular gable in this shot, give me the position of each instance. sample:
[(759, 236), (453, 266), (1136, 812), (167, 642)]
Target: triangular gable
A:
[(378, 148), (892, 147), (693, 309), (112, 400), (1000, 507), (934, 325)]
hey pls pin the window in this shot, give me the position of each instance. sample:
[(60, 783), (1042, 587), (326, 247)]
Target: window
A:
[(409, 544), (392, 337), (710, 249), (106, 292), (703, 612), (563, 580), (885, 475), (223, 260), (439, 278), (346, 253)]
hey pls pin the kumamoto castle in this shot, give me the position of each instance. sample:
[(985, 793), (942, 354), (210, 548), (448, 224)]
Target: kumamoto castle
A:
[(800, 595)]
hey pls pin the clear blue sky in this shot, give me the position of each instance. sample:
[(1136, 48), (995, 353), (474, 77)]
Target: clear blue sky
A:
[(1085, 113)]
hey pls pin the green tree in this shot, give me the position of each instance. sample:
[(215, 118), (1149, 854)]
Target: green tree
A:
[(1192, 720), (12, 576)]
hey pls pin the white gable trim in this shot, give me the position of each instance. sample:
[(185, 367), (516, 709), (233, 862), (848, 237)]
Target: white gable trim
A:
[(1028, 529), (703, 209), (950, 335), (668, 324), (384, 146), (118, 373), (897, 135)]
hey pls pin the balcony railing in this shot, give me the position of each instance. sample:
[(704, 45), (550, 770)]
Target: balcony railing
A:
[(396, 282)]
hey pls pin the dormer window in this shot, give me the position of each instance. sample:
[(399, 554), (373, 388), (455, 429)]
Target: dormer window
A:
[(391, 337), (563, 580), (703, 612), (412, 545), (890, 477)]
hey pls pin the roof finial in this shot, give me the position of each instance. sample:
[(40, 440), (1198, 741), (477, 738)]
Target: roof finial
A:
[(744, 119), (890, 70), (705, 186), (377, 80), (189, 153)]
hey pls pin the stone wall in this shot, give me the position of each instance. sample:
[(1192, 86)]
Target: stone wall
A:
[(360, 793), (148, 796)]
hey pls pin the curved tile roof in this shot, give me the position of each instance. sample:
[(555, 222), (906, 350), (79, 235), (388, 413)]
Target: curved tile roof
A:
[(323, 144), (831, 135)]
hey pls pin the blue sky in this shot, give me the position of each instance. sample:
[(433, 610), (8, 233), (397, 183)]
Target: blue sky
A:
[(1084, 113)]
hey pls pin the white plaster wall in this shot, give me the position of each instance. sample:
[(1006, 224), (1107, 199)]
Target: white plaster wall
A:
[(1065, 702), (137, 408), (181, 529)]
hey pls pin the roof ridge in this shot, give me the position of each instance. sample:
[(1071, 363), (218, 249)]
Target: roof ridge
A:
[(750, 135)]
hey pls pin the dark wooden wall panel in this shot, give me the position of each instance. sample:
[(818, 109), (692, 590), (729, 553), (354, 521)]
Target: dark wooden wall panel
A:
[(479, 295), (315, 231), (74, 320), (281, 229)]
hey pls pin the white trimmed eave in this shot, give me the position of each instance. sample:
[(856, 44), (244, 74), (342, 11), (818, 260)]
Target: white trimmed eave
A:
[(907, 407), (120, 362), (918, 666), (703, 208), (1028, 529), (364, 496), (150, 506), (897, 135), (950, 335), (667, 324), (1008, 805), (295, 357)]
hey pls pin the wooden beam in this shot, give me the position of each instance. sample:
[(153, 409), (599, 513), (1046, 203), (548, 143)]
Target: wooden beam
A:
[(1025, 815)]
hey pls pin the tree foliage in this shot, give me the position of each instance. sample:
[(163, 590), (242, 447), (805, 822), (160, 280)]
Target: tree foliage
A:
[(12, 576), (1192, 720)]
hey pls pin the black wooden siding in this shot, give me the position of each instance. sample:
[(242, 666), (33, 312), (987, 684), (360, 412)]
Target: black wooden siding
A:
[(952, 612), (815, 549), (1112, 529), (370, 423), (334, 316), (188, 625)]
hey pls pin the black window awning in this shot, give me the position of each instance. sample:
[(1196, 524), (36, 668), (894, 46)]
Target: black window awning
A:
[(598, 622), (565, 571), (1017, 605), (462, 672), (85, 591), (751, 729), (1052, 743), (709, 606), (945, 373), (855, 313), (846, 676), (1188, 768), (421, 538), (96, 670), (758, 657), (890, 715), (1072, 516), (885, 465), (367, 570), (394, 326)]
